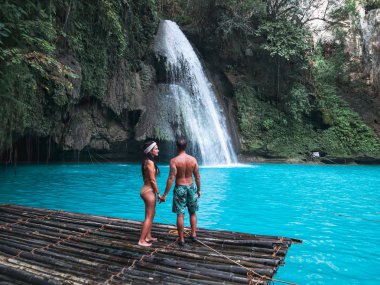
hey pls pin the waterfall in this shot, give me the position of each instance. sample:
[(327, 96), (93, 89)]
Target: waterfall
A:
[(189, 92)]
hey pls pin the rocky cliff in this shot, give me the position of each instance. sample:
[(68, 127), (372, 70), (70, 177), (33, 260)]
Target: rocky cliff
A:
[(371, 35), (106, 125), (85, 69), (363, 45), (277, 104)]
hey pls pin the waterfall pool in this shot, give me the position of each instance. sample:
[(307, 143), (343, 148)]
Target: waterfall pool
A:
[(333, 209)]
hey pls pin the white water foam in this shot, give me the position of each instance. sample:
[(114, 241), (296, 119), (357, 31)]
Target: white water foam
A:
[(199, 115)]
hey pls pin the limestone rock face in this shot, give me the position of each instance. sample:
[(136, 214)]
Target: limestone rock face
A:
[(79, 133), (90, 126), (125, 89), (71, 62), (157, 118), (371, 35), (369, 104), (363, 46), (103, 125)]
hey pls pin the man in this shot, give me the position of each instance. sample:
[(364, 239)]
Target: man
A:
[(182, 168)]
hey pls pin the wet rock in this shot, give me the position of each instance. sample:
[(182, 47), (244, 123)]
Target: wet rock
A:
[(99, 144), (126, 88), (91, 126), (76, 82)]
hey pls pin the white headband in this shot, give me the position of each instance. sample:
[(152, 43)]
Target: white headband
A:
[(149, 148)]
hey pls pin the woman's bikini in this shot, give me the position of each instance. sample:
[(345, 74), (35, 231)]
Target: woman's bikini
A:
[(146, 189)]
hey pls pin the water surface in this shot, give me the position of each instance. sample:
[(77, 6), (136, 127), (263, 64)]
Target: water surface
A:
[(333, 209)]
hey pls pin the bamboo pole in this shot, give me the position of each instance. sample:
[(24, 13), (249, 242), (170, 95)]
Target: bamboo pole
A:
[(53, 245), (39, 271), (233, 269), (6, 280), (54, 237), (53, 264), (216, 234), (78, 253), (21, 275)]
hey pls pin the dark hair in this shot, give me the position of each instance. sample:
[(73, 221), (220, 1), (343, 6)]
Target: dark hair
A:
[(148, 156), (181, 144)]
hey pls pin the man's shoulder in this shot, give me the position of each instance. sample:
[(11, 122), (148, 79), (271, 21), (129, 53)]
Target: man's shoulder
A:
[(184, 158), (191, 161), (173, 161), (192, 158)]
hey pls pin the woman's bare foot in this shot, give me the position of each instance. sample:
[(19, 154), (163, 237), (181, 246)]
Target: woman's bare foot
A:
[(144, 243), (151, 239)]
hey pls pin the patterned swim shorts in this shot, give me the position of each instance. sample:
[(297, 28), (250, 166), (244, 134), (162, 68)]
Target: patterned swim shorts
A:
[(185, 195)]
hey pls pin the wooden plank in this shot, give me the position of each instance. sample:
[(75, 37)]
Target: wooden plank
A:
[(39, 246)]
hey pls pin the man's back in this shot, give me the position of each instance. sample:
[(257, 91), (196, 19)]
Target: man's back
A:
[(182, 169), (186, 165)]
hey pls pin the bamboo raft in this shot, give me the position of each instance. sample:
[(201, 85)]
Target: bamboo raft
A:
[(39, 246)]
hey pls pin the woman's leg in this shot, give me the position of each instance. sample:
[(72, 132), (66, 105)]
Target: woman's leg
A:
[(149, 237), (150, 203)]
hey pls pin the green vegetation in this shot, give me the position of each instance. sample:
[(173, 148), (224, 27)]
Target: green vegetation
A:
[(294, 132), (36, 85), (55, 55), (371, 4), (287, 91), (103, 33), (29, 71)]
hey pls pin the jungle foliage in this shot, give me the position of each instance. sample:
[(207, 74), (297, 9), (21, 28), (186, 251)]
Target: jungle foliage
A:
[(371, 4), (312, 120), (38, 39), (287, 89)]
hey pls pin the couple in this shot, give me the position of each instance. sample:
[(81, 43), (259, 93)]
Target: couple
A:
[(182, 168)]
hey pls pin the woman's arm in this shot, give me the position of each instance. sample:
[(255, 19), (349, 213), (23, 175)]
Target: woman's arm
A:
[(152, 177)]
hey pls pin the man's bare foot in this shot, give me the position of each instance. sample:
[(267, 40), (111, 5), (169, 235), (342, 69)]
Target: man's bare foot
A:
[(194, 238), (144, 243), (150, 239)]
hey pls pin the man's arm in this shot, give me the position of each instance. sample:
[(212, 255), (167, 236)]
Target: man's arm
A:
[(169, 182), (197, 179)]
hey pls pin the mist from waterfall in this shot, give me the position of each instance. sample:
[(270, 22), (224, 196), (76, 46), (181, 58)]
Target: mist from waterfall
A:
[(197, 112)]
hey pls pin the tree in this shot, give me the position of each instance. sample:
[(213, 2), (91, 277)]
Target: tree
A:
[(27, 56)]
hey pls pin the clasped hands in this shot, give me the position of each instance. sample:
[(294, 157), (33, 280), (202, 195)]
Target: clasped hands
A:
[(161, 199)]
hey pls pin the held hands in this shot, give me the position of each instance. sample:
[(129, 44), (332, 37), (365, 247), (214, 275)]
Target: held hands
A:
[(199, 193), (161, 199)]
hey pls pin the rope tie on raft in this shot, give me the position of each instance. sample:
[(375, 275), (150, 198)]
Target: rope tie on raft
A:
[(9, 226), (250, 272), (60, 241)]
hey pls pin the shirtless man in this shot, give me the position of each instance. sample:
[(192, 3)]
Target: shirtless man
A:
[(182, 168)]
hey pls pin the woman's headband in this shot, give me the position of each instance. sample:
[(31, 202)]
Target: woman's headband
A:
[(150, 147)]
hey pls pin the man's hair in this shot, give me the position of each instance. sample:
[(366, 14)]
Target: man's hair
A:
[(181, 144)]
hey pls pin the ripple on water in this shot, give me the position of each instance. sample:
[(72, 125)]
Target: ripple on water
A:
[(333, 209)]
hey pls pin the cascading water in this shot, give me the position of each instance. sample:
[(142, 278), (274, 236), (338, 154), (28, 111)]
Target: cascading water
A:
[(190, 93)]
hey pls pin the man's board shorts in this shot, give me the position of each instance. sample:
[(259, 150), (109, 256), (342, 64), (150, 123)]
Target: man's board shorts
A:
[(185, 196)]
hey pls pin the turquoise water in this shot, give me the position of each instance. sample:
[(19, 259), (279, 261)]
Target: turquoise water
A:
[(333, 209)]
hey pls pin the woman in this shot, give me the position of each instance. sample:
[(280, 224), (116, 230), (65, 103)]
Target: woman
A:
[(148, 191)]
